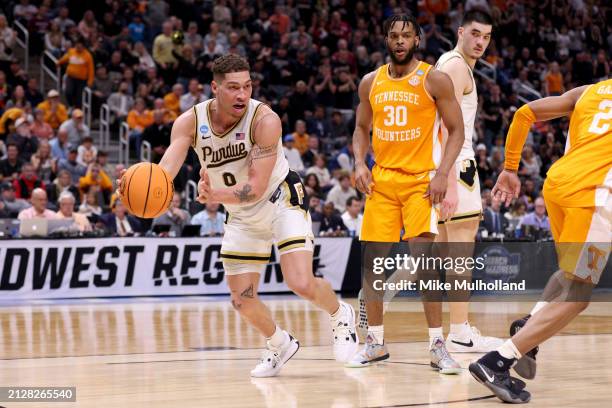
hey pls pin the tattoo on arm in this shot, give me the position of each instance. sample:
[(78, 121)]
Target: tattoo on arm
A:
[(248, 292), (244, 195), (236, 305)]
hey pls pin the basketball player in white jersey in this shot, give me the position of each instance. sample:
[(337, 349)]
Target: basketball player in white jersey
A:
[(461, 208), (237, 140)]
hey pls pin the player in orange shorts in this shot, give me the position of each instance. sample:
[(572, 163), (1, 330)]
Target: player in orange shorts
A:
[(403, 102), (578, 195)]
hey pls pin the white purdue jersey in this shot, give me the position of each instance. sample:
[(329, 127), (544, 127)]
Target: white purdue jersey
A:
[(225, 157), (469, 106)]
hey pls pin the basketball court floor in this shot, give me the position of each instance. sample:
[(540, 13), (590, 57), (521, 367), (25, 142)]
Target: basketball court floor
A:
[(195, 352)]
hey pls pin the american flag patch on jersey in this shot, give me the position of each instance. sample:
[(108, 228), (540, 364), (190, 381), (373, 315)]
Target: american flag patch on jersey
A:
[(239, 135)]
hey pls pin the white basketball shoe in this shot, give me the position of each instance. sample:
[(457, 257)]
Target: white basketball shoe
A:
[(273, 359)]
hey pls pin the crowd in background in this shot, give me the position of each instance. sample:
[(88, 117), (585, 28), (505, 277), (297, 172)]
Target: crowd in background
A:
[(150, 61)]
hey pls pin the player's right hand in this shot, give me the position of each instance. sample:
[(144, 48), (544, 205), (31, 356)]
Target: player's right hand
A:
[(507, 187), (363, 179)]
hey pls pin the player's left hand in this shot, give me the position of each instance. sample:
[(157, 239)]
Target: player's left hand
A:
[(450, 202), (204, 188), (437, 188)]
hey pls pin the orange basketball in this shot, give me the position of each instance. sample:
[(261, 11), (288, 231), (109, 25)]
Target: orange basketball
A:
[(146, 190)]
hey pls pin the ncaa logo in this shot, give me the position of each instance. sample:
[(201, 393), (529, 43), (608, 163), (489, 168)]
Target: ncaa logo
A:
[(203, 129), (414, 81), (420, 72)]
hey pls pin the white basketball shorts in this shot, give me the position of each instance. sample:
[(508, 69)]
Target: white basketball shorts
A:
[(282, 220)]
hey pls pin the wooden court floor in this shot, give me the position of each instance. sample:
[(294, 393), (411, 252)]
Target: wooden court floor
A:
[(195, 352)]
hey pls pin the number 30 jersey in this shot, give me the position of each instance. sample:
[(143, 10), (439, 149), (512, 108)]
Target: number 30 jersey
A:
[(405, 122), (226, 156), (583, 176)]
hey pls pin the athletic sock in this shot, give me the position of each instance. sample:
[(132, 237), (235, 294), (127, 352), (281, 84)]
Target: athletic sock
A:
[(496, 362), (459, 329), (337, 313), (377, 333), (509, 350), (538, 307), (278, 339), (435, 333)]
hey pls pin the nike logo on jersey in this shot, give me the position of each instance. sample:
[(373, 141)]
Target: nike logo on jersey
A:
[(379, 82), (470, 344)]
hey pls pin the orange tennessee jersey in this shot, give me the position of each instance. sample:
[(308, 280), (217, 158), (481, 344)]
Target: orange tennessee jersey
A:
[(583, 176), (405, 125)]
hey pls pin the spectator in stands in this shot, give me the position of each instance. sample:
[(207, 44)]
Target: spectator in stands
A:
[(44, 164), (22, 138), (55, 112), (70, 164), (145, 60), (39, 207), (4, 89), (318, 125), (341, 192), (352, 217), (172, 100), (66, 203), (311, 183), (187, 65), (7, 121), (76, 127), (55, 42), (300, 137), (120, 103), (61, 184), (95, 176), (158, 135), (331, 223), (346, 158), (9, 201), (120, 223), (193, 97), (210, 220), (87, 153), (193, 38), (163, 45), (138, 119), (7, 42), (91, 203), (60, 146), (175, 217), (308, 157), (169, 115), (554, 80), (216, 35), (18, 99), (339, 130), (320, 170), (80, 69), (33, 95), (537, 218), (493, 221), (10, 167), (27, 182), (63, 20), (314, 208), (39, 128), (530, 164), (292, 154), (87, 25), (516, 214), (102, 87)]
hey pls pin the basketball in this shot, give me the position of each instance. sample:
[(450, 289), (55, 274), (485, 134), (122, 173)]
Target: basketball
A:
[(146, 190)]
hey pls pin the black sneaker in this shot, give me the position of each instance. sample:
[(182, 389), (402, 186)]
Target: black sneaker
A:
[(505, 387), (526, 365)]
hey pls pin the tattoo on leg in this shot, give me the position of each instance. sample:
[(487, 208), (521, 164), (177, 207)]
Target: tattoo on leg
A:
[(248, 292), (244, 195)]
